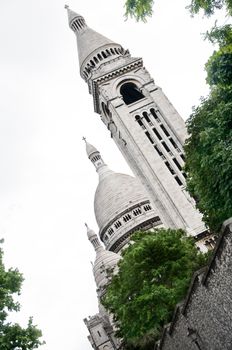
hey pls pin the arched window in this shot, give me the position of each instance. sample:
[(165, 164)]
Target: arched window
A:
[(105, 109), (130, 93), (103, 54), (92, 63)]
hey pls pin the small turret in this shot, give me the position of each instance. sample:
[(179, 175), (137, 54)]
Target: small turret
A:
[(93, 238), (76, 22), (104, 264), (95, 157)]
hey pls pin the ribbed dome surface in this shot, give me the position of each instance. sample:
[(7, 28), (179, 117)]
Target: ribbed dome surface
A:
[(115, 194), (105, 260)]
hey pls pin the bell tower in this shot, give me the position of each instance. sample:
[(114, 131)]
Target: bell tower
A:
[(141, 120)]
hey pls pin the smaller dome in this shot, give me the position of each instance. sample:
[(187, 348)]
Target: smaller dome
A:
[(105, 261), (104, 264)]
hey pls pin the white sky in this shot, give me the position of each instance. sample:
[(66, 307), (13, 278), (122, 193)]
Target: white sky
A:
[(47, 183)]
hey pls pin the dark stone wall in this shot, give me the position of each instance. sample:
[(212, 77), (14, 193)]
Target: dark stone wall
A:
[(204, 320)]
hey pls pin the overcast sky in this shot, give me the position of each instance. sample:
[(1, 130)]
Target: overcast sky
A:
[(47, 184)]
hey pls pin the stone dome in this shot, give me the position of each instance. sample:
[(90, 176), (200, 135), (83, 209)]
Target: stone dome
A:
[(121, 205), (105, 261), (115, 194)]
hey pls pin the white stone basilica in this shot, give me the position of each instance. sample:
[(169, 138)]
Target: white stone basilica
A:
[(150, 134)]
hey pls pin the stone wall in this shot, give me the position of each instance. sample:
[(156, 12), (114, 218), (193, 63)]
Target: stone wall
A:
[(204, 320)]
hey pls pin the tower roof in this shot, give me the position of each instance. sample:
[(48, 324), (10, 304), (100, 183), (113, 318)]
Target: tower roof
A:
[(71, 14), (90, 149), (88, 40)]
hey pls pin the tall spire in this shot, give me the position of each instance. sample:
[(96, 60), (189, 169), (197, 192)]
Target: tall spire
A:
[(93, 238), (93, 48), (76, 21), (96, 158)]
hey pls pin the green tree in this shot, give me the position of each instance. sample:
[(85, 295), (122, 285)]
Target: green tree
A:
[(12, 335), (219, 65), (209, 148), (142, 9), (139, 9), (153, 276)]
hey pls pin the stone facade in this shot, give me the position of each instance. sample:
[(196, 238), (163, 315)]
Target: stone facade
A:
[(150, 135), (101, 333), (204, 320), (142, 121)]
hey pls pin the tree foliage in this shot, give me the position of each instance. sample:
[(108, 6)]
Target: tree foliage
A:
[(209, 148), (142, 9), (209, 6), (153, 276), (219, 65), (139, 9), (13, 336)]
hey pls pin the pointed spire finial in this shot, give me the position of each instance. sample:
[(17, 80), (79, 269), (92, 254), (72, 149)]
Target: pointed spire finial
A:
[(66, 7)]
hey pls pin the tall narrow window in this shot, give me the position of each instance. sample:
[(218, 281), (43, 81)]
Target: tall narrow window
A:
[(157, 133), (173, 143), (159, 151), (178, 181), (137, 118), (146, 117), (164, 130), (169, 168), (177, 164), (154, 114), (182, 156), (130, 93), (165, 146), (149, 137)]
